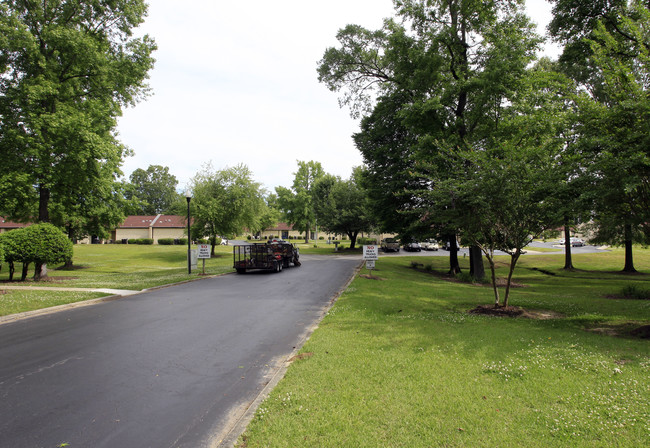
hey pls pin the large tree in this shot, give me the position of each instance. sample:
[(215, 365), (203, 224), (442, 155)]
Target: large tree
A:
[(296, 203), (67, 67), (613, 66), (155, 187), (452, 63)]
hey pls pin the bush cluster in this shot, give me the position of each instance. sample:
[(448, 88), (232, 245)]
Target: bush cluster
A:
[(366, 241), (39, 244), (172, 241), (634, 292), (141, 241)]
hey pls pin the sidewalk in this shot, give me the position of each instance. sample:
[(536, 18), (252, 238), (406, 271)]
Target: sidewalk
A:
[(117, 292)]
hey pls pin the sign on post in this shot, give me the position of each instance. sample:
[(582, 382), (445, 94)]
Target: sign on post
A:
[(370, 254), (204, 252)]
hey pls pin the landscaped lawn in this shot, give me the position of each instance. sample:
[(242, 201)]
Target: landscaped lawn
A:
[(399, 362)]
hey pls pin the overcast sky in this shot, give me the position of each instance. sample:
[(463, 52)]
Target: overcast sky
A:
[(236, 82)]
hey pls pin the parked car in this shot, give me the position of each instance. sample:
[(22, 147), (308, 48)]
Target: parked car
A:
[(429, 244), (447, 246), (389, 244), (413, 246), (577, 242)]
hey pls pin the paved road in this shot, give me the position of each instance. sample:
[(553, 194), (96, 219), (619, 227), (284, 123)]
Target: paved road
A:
[(165, 368)]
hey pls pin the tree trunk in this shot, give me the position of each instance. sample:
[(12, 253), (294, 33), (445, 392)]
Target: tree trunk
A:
[(568, 262), (43, 204), (629, 259), (454, 266), (493, 273), (68, 263), (476, 268), (353, 239), (40, 271), (12, 269), (513, 262), (213, 242), (307, 232), (23, 277)]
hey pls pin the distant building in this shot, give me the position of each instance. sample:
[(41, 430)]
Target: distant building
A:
[(153, 227), (6, 225)]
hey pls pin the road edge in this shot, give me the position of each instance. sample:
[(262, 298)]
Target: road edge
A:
[(242, 415)]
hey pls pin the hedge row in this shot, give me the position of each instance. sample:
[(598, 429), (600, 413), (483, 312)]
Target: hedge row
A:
[(172, 241)]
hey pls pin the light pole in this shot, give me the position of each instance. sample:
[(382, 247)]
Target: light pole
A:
[(188, 196)]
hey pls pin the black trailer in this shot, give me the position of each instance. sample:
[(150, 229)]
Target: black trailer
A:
[(271, 256)]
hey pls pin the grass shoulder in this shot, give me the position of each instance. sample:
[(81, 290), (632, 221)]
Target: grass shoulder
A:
[(401, 362)]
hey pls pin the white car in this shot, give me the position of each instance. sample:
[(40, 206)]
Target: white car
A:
[(577, 242), (430, 244)]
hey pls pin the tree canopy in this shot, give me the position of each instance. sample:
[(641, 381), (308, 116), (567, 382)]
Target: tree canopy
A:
[(67, 67), (341, 206), (296, 204), (225, 202), (154, 188)]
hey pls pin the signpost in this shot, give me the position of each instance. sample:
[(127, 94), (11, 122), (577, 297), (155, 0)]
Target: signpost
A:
[(203, 253), (370, 254)]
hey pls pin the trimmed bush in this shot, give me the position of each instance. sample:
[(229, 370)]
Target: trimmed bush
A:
[(366, 241), (181, 241), (166, 241)]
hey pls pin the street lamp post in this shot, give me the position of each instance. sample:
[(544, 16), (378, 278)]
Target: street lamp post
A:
[(188, 196)]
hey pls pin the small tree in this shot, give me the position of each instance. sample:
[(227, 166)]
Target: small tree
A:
[(341, 206), (13, 244), (296, 204), (225, 202), (42, 244)]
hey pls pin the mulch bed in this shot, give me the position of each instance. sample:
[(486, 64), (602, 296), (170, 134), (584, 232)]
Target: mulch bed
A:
[(515, 311)]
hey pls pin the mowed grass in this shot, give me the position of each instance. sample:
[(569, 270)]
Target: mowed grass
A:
[(19, 301), (399, 362), (134, 267)]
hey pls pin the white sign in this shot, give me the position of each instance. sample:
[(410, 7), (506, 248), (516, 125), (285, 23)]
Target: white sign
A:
[(370, 264), (204, 250), (370, 252)]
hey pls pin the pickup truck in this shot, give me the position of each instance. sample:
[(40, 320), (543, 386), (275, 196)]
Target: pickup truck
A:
[(389, 245)]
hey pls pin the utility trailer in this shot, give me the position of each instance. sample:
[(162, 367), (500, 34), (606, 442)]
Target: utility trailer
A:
[(271, 256)]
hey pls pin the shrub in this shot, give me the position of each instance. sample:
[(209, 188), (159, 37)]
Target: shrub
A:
[(166, 241), (42, 244), (181, 241), (146, 241), (635, 293), (366, 241)]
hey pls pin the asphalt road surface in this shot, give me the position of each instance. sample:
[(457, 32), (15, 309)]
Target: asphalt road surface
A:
[(166, 368)]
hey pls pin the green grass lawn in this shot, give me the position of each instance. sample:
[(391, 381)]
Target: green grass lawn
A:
[(133, 267), (399, 362)]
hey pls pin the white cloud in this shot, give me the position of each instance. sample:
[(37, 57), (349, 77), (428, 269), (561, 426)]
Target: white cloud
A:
[(236, 82)]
